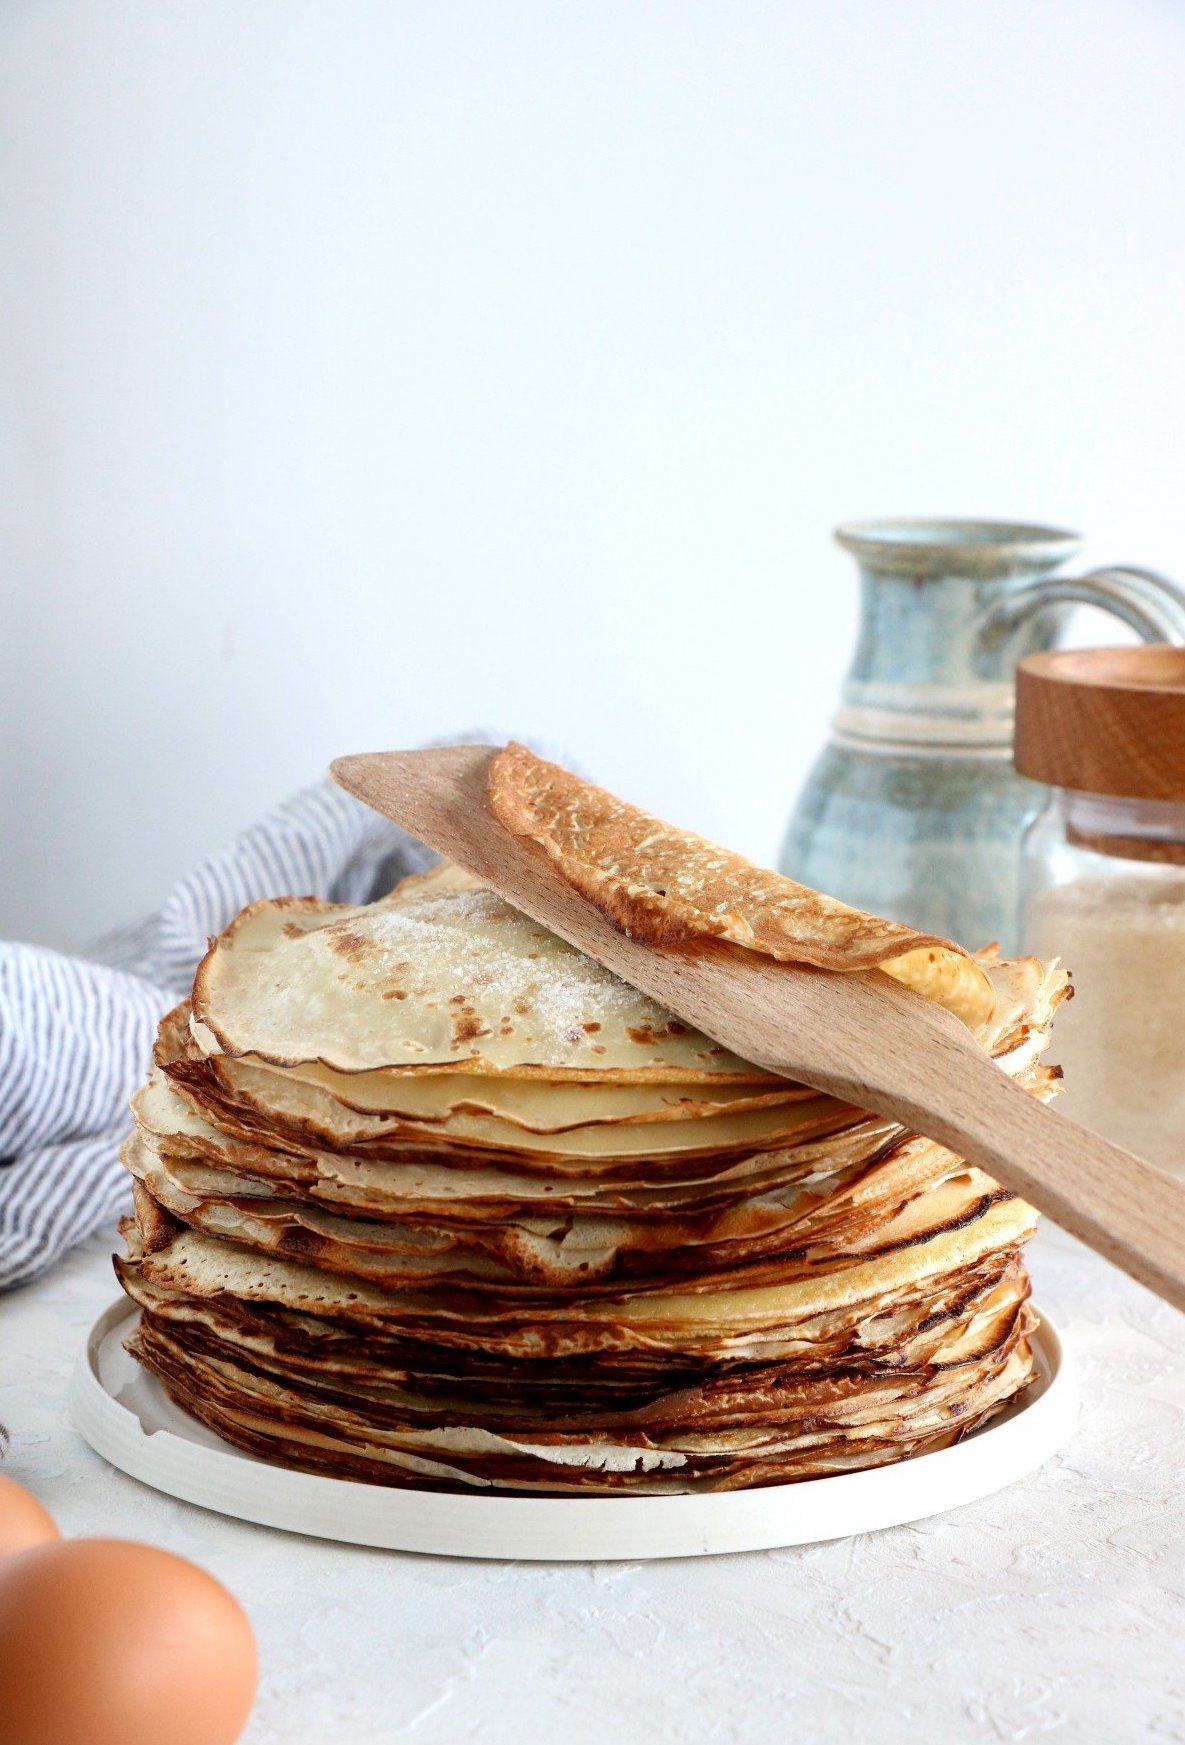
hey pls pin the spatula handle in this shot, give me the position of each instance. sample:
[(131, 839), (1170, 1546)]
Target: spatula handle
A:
[(927, 1073), (1130, 1212)]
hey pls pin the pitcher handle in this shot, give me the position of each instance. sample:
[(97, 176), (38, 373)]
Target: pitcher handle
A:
[(1149, 603)]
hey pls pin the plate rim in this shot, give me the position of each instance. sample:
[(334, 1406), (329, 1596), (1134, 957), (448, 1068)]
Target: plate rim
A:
[(572, 1529)]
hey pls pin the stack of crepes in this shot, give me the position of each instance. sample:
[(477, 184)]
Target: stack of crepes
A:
[(425, 1196)]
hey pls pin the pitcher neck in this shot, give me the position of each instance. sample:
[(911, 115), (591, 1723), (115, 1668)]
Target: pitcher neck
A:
[(929, 668)]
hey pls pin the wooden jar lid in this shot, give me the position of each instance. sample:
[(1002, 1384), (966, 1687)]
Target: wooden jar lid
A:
[(1104, 720)]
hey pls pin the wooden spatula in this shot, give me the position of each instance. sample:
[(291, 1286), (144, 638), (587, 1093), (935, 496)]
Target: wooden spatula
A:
[(859, 1036)]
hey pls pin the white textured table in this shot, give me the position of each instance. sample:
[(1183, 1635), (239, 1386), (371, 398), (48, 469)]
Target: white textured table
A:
[(1053, 1610)]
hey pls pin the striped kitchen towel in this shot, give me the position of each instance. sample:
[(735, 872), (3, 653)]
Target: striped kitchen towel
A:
[(76, 1033)]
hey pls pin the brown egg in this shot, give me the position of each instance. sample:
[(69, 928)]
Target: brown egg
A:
[(23, 1522), (103, 1642)]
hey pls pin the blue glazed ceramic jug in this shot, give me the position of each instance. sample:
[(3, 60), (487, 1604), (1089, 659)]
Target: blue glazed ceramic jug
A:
[(913, 809)]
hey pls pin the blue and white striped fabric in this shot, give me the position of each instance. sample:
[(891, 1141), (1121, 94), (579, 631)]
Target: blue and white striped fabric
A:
[(76, 1034)]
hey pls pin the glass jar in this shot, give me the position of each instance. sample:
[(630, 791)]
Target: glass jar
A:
[(1103, 882)]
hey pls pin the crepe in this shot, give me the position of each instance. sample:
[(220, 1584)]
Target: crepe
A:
[(434, 976), (757, 1428), (394, 1410), (394, 1109), (425, 1197), (724, 1317), (786, 1228), (662, 884)]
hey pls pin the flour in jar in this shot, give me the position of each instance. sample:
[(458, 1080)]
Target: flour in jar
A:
[(1121, 1040)]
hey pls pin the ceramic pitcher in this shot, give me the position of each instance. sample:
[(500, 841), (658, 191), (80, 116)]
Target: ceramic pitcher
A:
[(913, 809)]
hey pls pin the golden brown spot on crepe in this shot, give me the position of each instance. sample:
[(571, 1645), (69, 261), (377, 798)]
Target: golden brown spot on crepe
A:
[(646, 1036), (350, 945)]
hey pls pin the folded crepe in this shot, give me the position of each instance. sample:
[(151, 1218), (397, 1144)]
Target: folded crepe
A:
[(424, 1196), (663, 884)]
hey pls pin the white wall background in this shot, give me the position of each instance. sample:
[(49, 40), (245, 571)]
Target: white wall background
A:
[(370, 370)]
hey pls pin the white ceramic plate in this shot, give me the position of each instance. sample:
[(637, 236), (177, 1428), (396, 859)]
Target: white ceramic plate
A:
[(127, 1417)]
